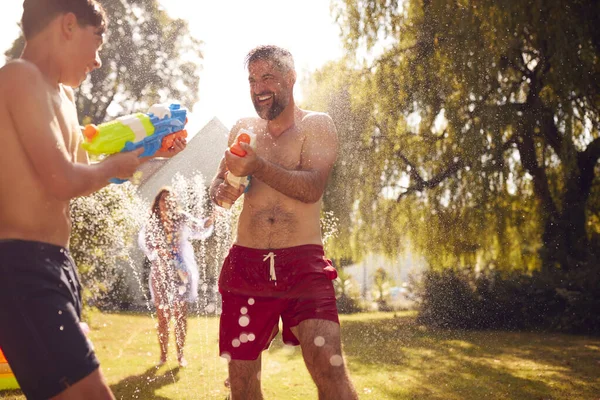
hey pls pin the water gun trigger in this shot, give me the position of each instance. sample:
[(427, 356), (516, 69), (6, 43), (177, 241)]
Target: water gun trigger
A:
[(168, 140)]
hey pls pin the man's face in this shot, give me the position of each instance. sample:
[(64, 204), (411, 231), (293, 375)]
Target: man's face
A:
[(84, 46), (270, 89)]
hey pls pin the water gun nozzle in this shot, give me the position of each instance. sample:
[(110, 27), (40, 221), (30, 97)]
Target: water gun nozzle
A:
[(90, 132), (236, 148)]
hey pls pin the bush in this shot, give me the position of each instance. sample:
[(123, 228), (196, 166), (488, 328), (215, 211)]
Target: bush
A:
[(105, 225), (346, 293), (552, 300)]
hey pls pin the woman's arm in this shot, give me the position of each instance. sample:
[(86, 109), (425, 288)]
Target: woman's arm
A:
[(200, 228)]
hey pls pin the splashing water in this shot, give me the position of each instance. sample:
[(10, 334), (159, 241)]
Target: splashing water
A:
[(336, 360), (105, 227), (329, 226), (114, 275), (319, 341)]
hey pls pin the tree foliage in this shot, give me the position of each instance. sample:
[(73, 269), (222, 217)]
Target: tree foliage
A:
[(479, 129), (148, 57)]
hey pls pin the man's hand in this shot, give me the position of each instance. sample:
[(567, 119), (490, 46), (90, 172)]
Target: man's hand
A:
[(243, 166), (179, 145), (227, 194)]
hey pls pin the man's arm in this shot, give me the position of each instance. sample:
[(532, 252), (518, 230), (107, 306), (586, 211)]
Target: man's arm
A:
[(40, 135), (220, 191), (319, 153)]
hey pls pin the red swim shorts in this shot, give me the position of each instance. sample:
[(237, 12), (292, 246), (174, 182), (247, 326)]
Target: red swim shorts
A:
[(260, 286)]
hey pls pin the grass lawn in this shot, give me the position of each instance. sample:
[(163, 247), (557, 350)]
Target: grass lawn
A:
[(389, 357)]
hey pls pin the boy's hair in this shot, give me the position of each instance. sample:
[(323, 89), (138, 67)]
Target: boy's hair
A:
[(37, 14), (279, 56)]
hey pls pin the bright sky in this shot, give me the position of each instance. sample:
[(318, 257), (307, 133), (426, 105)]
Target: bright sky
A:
[(229, 29)]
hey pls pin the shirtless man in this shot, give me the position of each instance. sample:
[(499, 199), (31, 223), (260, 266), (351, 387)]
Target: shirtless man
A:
[(42, 168), (277, 267)]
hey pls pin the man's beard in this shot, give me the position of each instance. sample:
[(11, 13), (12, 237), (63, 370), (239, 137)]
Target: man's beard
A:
[(273, 111)]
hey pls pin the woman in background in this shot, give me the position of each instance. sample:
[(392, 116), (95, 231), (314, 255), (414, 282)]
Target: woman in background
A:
[(173, 279)]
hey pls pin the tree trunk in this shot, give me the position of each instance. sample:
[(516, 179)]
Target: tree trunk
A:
[(565, 243)]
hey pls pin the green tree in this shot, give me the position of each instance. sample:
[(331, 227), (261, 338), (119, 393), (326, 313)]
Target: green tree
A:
[(381, 283), (330, 90), (484, 128), (148, 57)]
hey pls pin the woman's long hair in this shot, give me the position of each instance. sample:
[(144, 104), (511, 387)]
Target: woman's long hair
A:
[(156, 204), (166, 223)]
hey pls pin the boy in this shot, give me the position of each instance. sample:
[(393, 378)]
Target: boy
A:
[(43, 168)]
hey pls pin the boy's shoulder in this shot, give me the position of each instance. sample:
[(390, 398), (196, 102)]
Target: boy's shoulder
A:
[(19, 74), (20, 68)]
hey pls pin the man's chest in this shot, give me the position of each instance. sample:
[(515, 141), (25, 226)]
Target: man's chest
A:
[(285, 150)]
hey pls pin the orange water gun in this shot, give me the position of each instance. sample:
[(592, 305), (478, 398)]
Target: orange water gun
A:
[(244, 136)]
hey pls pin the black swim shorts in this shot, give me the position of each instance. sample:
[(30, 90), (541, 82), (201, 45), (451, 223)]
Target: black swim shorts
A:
[(40, 311)]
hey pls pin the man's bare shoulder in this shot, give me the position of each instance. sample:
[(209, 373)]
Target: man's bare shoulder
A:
[(247, 123), (314, 121)]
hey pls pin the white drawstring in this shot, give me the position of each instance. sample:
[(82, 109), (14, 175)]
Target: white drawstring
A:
[(272, 275)]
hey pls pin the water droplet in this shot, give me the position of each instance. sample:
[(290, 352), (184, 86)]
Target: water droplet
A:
[(251, 301), (62, 328), (244, 311), (336, 360), (319, 341), (59, 312), (244, 321), (235, 343)]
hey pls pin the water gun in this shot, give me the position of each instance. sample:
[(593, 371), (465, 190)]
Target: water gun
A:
[(154, 131), (7, 378), (244, 136)]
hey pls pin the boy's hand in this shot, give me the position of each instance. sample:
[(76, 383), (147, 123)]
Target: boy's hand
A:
[(179, 145), (126, 163)]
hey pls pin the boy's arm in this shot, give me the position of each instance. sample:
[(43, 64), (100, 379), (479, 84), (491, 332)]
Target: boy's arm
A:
[(40, 134), (81, 155)]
